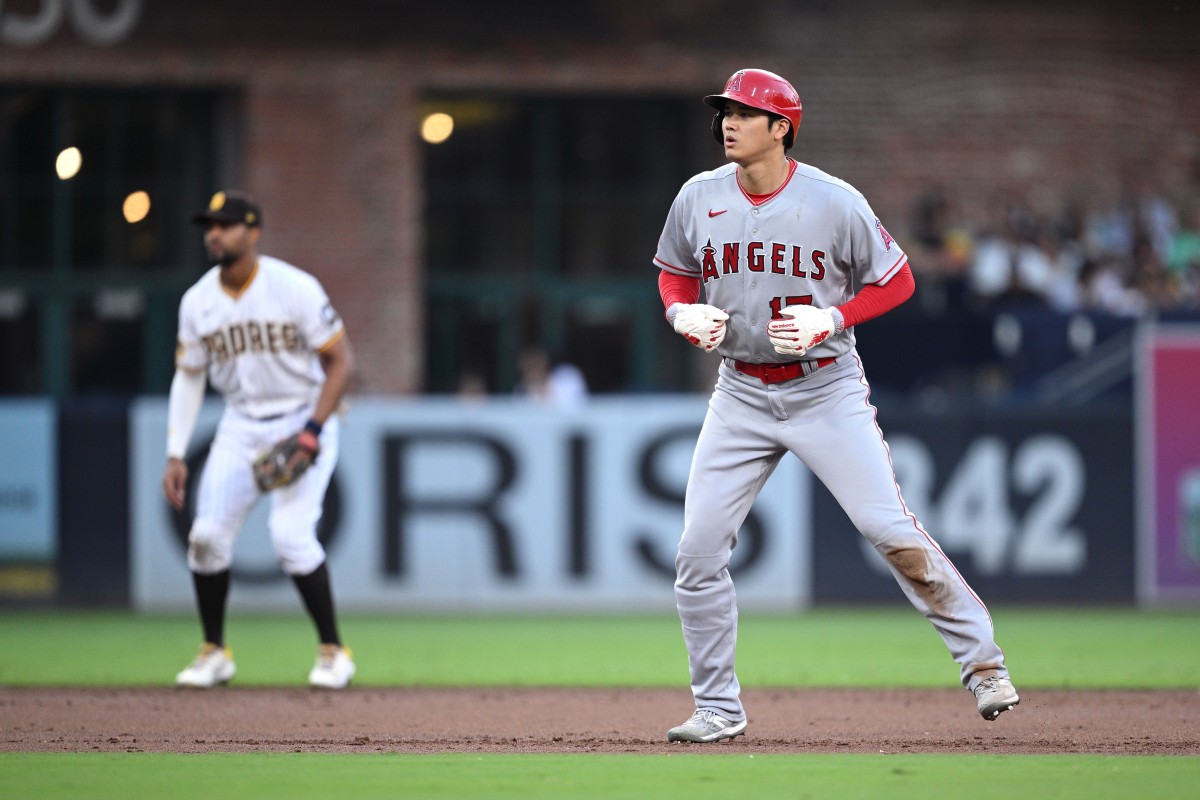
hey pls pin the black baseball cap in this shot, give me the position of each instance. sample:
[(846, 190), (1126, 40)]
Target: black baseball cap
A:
[(230, 207)]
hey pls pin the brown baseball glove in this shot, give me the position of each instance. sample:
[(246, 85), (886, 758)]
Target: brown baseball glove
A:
[(286, 461)]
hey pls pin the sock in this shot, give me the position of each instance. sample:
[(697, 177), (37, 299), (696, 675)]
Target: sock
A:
[(318, 599), (211, 593)]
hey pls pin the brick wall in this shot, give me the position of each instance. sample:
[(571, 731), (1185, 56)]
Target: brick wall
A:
[(1047, 100)]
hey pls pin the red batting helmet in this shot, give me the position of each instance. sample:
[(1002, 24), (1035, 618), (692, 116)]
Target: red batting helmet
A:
[(759, 89)]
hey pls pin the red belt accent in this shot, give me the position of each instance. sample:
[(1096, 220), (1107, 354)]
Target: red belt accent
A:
[(778, 373)]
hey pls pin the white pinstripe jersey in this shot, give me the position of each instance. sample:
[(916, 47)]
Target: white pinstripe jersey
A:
[(259, 345), (815, 240)]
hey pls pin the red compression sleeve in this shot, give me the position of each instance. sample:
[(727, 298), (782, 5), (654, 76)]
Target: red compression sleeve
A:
[(874, 300), (677, 288)]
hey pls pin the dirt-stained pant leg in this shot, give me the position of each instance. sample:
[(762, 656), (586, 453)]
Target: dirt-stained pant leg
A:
[(734, 456), (846, 451)]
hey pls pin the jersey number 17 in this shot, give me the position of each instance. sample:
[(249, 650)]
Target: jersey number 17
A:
[(778, 303)]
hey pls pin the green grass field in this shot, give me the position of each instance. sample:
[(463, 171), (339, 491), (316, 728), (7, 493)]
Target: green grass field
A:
[(1046, 648), (358, 777)]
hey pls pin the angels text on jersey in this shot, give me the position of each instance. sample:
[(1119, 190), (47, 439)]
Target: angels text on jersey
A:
[(775, 258)]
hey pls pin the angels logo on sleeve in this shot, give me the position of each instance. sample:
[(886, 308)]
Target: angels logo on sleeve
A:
[(888, 241)]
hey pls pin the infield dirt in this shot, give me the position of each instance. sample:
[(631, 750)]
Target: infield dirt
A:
[(557, 720)]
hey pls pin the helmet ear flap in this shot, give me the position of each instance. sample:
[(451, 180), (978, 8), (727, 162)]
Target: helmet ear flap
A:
[(716, 127)]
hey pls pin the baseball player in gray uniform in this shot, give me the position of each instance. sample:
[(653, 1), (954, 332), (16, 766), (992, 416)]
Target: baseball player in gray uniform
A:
[(780, 248), (265, 335)]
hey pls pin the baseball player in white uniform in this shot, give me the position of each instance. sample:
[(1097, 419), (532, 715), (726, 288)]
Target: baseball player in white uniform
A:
[(271, 343), (790, 259)]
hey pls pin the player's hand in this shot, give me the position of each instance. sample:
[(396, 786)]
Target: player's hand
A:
[(702, 325), (800, 328), (175, 482), (306, 451)]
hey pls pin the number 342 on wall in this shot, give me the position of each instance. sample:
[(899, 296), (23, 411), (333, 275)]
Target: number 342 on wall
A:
[(975, 514)]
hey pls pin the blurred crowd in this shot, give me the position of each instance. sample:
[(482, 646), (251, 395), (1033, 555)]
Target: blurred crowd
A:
[(1132, 251)]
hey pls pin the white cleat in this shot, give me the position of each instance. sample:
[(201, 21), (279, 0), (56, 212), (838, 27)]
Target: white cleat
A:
[(706, 726), (213, 666), (334, 668), (994, 695)]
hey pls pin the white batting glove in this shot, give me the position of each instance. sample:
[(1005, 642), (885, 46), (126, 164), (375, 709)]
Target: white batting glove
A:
[(700, 324), (801, 328)]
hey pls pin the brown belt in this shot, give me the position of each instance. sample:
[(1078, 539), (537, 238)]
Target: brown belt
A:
[(778, 373)]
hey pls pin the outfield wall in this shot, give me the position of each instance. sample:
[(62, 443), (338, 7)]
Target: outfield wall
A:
[(510, 506), (440, 504), (504, 505)]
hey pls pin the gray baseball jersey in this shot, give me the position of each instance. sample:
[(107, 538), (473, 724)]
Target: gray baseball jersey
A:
[(816, 241)]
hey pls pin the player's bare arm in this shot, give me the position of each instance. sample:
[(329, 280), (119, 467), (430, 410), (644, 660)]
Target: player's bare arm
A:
[(338, 362)]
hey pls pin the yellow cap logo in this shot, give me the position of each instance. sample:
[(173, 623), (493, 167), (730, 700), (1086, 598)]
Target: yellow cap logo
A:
[(251, 217), (217, 202)]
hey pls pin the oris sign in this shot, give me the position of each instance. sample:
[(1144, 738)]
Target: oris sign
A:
[(101, 23), (504, 505)]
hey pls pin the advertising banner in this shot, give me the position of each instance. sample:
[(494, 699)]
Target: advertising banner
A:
[(1169, 448), (1034, 506), (28, 481), (444, 504)]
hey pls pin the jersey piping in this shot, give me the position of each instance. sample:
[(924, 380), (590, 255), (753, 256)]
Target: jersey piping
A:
[(236, 293), (672, 267), (891, 273), (336, 338), (759, 199)]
